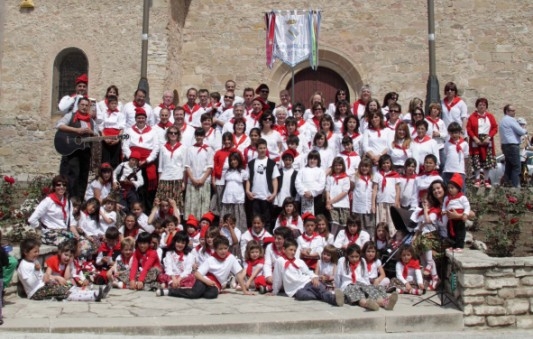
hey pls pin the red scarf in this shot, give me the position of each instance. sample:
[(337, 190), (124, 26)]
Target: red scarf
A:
[(283, 221), (54, 263), (430, 173), (208, 133), (316, 122), (276, 252), (136, 129), (356, 107), (252, 264), (413, 263), (131, 233), (165, 126), (391, 174), (338, 177), (236, 142), (378, 130), (169, 240), (458, 143), (180, 255), (352, 135), (453, 103), (252, 149), (171, 148), (136, 105), (424, 139), (256, 117), (369, 265), (201, 147), (352, 238), (289, 262), (60, 203), (258, 237), (365, 178), (111, 111), (353, 268), (348, 156), (219, 258), (300, 122), (309, 238), (170, 107), (82, 117), (434, 122), (190, 110), (409, 177)]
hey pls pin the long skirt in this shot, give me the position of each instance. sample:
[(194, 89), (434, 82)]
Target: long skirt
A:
[(197, 200)]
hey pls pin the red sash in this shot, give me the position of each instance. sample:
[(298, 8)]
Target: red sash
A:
[(110, 131)]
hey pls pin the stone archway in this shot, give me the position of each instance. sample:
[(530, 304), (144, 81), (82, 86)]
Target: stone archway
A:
[(330, 59)]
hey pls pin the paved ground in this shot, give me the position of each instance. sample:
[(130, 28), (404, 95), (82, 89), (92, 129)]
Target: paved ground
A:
[(141, 313)]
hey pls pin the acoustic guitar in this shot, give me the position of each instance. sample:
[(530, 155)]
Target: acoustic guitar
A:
[(67, 143)]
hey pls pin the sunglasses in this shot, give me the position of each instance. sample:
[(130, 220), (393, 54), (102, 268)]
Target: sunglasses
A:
[(172, 133), (228, 97), (297, 110), (449, 90), (61, 185), (317, 109), (394, 111), (394, 98)]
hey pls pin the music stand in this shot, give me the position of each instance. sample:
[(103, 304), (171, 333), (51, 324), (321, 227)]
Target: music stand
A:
[(445, 297), (401, 219)]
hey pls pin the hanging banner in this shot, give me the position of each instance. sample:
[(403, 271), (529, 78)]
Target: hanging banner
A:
[(270, 21)]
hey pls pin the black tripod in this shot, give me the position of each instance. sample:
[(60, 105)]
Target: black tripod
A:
[(445, 297)]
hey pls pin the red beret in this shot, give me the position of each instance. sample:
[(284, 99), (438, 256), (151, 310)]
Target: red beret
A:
[(209, 216), (265, 105), (106, 165), (82, 78), (290, 152), (203, 232), (191, 221), (140, 111), (135, 155), (308, 216)]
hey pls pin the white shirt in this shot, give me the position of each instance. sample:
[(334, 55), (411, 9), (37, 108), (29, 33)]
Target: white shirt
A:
[(377, 142), (199, 160), (343, 278), (291, 278), (111, 215), (234, 190), (221, 269), (31, 279), (175, 267), (299, 225), (96, 184), (343, 240), (147, 140), (250, 235), (90, 227), (362, 195), (316, 244), (172, 164), (457, 113), (129, 114), (310, 179), (413, 275), (455, 161), (126, 171), (260, 185), (335, 188), (385, 194), (51, 215)]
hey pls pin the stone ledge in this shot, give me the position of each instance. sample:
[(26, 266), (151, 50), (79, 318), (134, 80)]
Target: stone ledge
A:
[(472, 259)]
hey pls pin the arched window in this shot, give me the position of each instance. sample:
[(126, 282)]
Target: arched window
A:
[(69, 64)]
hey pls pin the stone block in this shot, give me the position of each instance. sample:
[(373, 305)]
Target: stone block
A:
[(500, 272), (524, 322), (494, 300), (489, 310), (473, 300), (493, 283), (527, 281), (524, 292), (479, 291), (507, 320), (507, 293), (517, 306), (523, 272), (471, 280), (468, 310), (474, 321)]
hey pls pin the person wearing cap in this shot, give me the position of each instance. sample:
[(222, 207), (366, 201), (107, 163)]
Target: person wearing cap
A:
[(128, 175), (102, 185), (481, 128), (76, 166), (192, 227), (263, 92), (457, 202), (510, 134), (139, 101), (69, 103)]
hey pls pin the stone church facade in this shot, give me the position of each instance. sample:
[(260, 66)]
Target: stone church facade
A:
[(484, 46)]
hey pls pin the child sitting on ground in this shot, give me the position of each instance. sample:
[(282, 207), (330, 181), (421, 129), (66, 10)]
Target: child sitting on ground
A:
[(119, 274)]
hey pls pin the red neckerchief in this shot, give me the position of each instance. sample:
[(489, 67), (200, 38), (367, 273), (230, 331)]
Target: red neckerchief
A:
[(352, 135), (171, 148), (58, 202), (409, 177), (136, 129), (131, 233), (435, 210), (180, 255), (356, 105), (252, 264), (251, 148), (413, 263), (338, 177), (282, 130), (431, 173), (353, 268), (170, 107), (451, 230), (480, 116), (404, 149), (300, 122), (453, 103), (136, 105), (111, 111), (208, 133), (257, 237), (165, 126), (104, 248), (190, 110), (424, 139), (369, 265), (378, 130), (457, 196), (182, 128), (256, 116), (201, 147), (276, 252), (283, 220), (352, 238), (434, 122), (54, 263), (219, 258), (365, 178), (309, 238), (289, 262), (169, 239), (457, 144), (329, 135), (295, 132), (316, 122), (391, 174), (194, 234), (236, 142), (82, 117), (348, 155)]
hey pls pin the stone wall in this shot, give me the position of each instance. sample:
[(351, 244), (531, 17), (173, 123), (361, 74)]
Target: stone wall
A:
[(494, 292)]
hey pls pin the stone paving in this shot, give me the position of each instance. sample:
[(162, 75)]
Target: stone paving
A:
[(142, 313)]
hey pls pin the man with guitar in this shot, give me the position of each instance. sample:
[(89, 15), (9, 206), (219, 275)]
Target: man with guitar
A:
[(76, 165)]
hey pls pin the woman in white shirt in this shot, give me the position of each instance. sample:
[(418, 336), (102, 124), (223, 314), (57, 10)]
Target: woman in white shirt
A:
[(171, 167)]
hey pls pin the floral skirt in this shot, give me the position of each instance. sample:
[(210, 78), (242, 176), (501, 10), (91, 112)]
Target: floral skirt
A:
[(358, 291), (49, 291), (197, 200), (171, 189), (54, 237), (237, 210)]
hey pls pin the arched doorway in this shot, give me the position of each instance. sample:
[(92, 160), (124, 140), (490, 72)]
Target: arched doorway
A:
[(308, 81), (68, 65)]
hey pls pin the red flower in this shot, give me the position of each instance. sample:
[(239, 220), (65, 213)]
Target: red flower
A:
[(45, 190), (9, 180), (514, 221), (511, 199), (1, 214), (529, 206)]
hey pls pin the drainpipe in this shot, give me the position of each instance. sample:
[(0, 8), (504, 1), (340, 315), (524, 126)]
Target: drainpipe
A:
[(432, 94), (143, 82)]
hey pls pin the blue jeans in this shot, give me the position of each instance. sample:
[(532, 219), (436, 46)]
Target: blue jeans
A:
[(512, 164)]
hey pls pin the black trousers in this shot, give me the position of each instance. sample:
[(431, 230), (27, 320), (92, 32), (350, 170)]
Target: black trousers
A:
[(111, 154), (198, 290), (76, 168)]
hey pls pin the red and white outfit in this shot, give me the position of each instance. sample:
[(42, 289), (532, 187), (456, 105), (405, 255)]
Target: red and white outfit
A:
[(110, 122), (190, 111), (439, 126), (422, 147), (454, 111), (129, 112), (344, 239), (422, 182), (146, 142), (377, 140), (290, 222), (187, 135), (219, 271), (315, 243), (351, 161), (158, 109), (263, 238), (456, 152)]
